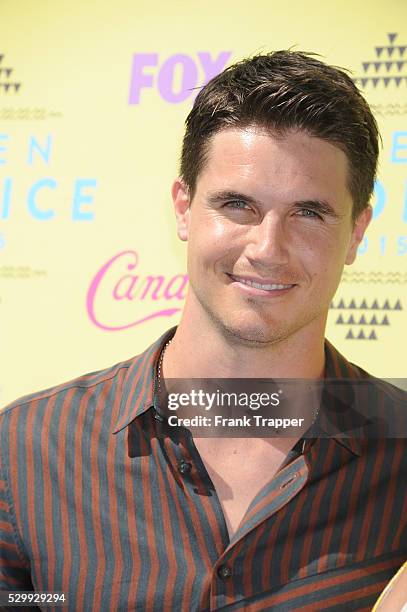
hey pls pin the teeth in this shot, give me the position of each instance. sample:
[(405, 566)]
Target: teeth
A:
[(260, 286)]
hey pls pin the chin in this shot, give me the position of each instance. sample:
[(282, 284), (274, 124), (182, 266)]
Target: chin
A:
[(251, 334)]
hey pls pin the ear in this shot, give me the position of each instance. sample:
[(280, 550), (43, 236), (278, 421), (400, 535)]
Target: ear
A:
[(181, 200), (359, 228)]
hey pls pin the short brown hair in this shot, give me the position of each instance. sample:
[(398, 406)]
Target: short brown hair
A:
[(286, 90)]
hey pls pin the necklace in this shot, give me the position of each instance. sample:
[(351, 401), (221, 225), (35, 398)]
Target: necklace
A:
[(160, 365), (159, 377)]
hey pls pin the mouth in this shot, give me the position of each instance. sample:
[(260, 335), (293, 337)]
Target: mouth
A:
[(262, 285)]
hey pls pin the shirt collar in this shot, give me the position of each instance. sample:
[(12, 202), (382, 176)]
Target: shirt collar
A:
[(139, 383), (139, 386), (338, 399)]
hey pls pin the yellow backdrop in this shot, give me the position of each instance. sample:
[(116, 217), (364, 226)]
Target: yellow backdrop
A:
[(93, 97)]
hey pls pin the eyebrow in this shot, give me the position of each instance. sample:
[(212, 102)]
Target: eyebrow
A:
[(319, 206)]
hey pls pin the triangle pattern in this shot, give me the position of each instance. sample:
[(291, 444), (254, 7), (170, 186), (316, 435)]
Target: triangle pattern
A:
[(386, 59), (373, 320), (385, 321), (339, 320), (8, 85), (350, 321), (349, 335), (372, 335), (341, 304), (386, 305), (386, 62), (375, 305), (361, 335), (363, 304), (397, 306), (362, 320), (352, 304)]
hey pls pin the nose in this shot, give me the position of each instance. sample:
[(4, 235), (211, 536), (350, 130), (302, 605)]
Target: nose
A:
[(268, 242)]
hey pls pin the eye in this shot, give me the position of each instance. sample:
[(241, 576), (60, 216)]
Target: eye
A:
[(309, 213), (237, 205)]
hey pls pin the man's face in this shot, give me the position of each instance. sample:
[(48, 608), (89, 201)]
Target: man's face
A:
[(269, 231)]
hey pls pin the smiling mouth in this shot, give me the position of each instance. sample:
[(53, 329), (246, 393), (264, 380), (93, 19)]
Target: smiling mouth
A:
[(263, 286)]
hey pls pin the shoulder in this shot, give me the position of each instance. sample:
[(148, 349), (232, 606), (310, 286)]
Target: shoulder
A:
[(91, 403), (383, 404), (67, 394), (385, 389), (360, 403), (339, 368)]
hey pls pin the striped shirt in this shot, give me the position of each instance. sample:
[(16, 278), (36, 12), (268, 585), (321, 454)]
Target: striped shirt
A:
[(100, 502)]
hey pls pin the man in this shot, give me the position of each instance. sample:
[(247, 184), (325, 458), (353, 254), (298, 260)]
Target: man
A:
[(102, 500)]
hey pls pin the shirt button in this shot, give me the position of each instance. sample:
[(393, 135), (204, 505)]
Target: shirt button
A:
[(224, 572), (158, 417), (184, 467)]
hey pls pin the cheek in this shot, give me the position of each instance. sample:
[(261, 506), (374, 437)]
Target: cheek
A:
[(323, 249), (205, 250), (215, 239), (206, 233), (219, 227)]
